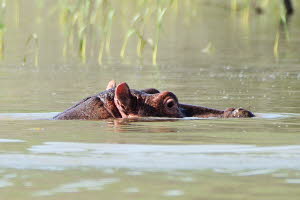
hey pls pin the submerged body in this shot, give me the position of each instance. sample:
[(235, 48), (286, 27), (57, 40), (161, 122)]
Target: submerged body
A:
[(122, 102), (100, 106)]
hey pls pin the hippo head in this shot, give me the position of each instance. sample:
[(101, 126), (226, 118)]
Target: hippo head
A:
[(134, 103)]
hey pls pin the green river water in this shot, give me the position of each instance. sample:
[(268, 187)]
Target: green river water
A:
[(256, 158)]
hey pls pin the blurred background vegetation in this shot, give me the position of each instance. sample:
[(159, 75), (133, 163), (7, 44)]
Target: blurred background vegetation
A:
[(98, 30)]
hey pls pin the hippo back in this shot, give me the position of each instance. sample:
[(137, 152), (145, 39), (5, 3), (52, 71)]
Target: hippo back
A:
[(100, 106)]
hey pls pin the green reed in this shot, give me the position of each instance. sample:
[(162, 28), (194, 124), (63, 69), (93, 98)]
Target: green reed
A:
[(276, 8), (147, 14), (32, 40), (2, 27), (88, 26), (83, 21)]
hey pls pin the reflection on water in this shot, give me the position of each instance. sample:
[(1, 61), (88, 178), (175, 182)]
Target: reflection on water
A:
[(295, 181), (10, 140), (122, 185), (65, 170), (82, 185), (234, 158), (27, 116)]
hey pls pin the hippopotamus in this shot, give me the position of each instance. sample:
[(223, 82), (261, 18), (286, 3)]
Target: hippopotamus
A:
[(119, 101), (188, 110), (122, 102)]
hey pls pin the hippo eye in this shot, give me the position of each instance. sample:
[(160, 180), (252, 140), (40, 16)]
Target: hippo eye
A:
[(170, 103)]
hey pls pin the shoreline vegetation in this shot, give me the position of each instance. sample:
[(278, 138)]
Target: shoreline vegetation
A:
[(87, 26)]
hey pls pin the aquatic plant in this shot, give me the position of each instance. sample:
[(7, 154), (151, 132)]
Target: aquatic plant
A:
[(89, 26), (2, 27), (32, 40)]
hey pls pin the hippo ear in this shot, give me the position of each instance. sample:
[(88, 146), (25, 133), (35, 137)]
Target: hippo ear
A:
[(123, 96), (111, 84)]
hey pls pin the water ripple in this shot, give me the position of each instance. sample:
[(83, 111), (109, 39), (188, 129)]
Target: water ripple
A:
[(233, 158)]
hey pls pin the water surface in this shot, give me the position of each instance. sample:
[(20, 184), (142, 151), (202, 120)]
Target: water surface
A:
[(254, 158)]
